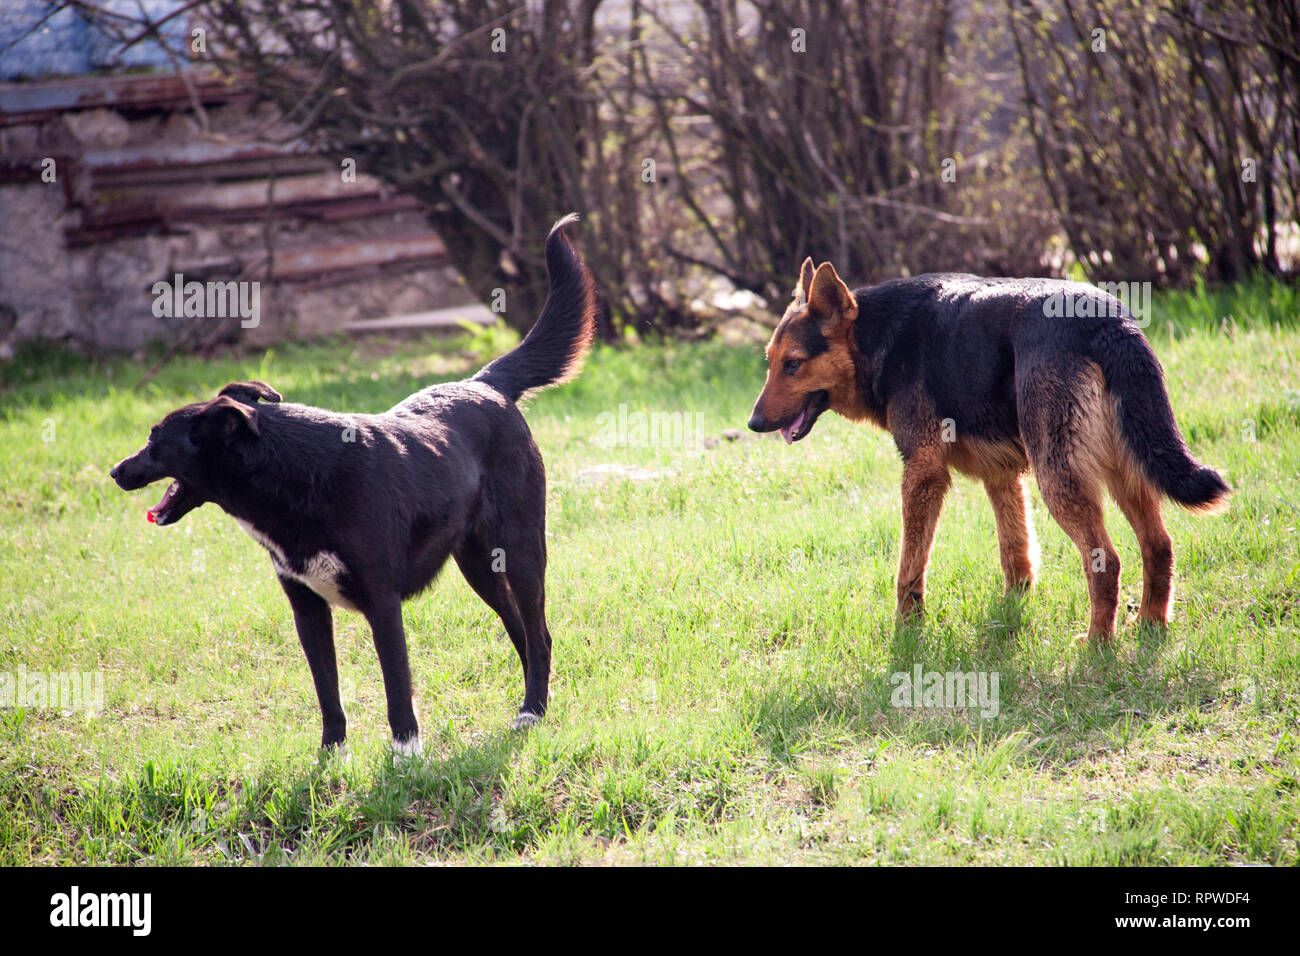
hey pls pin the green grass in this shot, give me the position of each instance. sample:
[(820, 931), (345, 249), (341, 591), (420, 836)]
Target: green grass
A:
[(724, 641)]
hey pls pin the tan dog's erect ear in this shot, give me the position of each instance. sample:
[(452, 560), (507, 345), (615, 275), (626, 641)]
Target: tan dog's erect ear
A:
[(805, 279), (830, 300)]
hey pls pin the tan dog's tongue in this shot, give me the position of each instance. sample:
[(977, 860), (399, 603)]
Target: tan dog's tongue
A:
[(791, 429)]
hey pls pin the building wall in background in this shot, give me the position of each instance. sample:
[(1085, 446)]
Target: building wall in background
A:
[(109, 184), (38, 39)]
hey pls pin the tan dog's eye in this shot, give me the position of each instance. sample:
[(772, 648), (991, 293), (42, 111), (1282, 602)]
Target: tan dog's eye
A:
[(790, 366)]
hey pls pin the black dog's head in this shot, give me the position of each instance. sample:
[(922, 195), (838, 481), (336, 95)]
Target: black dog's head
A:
[(189, 445)]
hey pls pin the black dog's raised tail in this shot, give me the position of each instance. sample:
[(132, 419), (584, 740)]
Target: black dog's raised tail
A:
[(553, 350), (1147, 427)]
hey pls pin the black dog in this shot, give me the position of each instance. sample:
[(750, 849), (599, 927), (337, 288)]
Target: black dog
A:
[(363, 510)]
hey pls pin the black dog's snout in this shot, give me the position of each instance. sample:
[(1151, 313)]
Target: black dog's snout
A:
[(757, 423), (121, 474)]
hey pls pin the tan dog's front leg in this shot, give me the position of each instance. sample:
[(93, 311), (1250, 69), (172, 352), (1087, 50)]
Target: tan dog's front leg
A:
[(925, 482)]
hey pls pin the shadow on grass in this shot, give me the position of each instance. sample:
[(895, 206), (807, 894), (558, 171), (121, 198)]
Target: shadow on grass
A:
[(178, 812), (1103, 694), (441, 804)]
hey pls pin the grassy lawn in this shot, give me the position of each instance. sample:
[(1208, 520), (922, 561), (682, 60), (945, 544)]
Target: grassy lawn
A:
[(724, 641)]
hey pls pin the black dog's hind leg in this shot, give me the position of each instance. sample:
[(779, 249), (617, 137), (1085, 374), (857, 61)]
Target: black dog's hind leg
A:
[(527, 576), (488, 571), (315, 624), (385, 617), (475, 560)]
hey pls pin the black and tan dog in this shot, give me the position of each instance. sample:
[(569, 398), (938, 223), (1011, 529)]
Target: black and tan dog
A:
[(984, 376), (362, 511)]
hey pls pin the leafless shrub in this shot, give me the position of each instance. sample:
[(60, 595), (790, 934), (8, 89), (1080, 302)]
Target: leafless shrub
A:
[(866, 132), (1168, 135)]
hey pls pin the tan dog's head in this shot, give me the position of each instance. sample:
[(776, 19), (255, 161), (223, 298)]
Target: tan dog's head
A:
[(810, 365)]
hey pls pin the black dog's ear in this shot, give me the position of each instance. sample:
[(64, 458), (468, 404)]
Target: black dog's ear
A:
[(250, 392), (221, 418)]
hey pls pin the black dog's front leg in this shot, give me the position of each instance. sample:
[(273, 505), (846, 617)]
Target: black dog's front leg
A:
[(385, 617), (315, 623)]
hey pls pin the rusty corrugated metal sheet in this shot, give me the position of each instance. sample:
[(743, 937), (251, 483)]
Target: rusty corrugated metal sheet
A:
[(111, 209), (196, 159), (339, 259), (38, 102), (169, 187)]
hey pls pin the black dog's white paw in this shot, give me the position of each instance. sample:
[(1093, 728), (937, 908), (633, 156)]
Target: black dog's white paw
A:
[(335, 755), (525, 720), (410, 747)]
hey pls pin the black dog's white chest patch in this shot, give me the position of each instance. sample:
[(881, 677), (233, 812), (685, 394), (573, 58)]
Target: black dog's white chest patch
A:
[(323, 571)]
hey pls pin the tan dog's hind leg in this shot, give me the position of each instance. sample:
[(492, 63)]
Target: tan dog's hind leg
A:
[(1077, 509), (1141, 506), (1068, 432)]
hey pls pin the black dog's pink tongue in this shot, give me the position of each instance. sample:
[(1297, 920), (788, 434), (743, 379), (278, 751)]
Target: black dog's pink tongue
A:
[(152, 514)]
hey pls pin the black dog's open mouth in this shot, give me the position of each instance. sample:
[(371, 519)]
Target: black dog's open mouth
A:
[(170, 508), (804, 421)]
